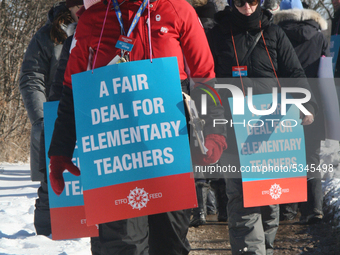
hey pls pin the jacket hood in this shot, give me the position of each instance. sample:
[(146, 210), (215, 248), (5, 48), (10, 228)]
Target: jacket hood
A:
[(54, 11), (298, 15)]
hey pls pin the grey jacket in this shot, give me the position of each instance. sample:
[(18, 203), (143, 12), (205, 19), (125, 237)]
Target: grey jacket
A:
[(39, 65), (38, 68)]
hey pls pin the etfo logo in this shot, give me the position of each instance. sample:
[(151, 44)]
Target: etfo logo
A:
[(238, 100), (275, 191), (138, 198)]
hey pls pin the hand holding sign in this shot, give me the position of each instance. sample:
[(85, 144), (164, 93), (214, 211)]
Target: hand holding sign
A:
[(216, 145), (306, 119), (58, 164)]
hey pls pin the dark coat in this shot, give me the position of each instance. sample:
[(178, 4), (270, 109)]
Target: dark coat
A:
[(39, 65), (303, 28), (37, 71), (281, 52)]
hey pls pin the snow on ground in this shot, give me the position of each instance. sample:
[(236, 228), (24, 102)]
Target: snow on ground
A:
[(330, 154), (17, 233), (18, 194)]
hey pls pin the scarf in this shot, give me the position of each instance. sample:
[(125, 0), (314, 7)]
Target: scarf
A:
[(244, 22)]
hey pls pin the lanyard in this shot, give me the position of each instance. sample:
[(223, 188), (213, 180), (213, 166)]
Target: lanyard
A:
[(135, 19)]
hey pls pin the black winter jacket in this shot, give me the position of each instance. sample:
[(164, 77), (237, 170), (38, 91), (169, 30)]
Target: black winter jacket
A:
[(282, 54), (303, 28)]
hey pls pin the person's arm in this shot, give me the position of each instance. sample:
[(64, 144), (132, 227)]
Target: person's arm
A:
[(325, 46), (64, 134), (289, 67), (35, 73), (201, 64), (194, 44)]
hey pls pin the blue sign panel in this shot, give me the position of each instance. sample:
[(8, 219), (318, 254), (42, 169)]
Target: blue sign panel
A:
[(130, 122)]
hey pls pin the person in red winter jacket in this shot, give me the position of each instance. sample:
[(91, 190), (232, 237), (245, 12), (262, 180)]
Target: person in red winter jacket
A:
[(166, 28)]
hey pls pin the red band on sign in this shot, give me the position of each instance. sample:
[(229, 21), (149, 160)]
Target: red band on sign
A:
[(70, 222), (275, 191), (140, 198)]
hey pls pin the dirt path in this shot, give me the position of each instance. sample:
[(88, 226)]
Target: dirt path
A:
[(291, 239)]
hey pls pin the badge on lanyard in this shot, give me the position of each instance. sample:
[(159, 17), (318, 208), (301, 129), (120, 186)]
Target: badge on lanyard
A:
[(118, 59), (239, 71), (125, 43)]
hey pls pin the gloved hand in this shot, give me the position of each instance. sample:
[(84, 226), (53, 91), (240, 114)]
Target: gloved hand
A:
[(58, 164), (215, 144)]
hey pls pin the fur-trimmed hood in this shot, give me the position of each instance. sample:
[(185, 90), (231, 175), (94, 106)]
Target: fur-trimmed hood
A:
[(299, 15)]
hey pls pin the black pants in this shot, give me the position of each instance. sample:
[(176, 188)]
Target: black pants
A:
[(163, 233), (168, 233), (314, 187), (219, 186), (252, 230)]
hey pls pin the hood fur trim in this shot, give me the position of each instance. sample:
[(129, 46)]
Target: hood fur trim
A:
[(300, 15)]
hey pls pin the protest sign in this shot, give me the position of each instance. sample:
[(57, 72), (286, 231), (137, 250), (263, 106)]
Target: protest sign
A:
[(272, 154), (329, 99), (133, 140), (334, 49), (67, 211)]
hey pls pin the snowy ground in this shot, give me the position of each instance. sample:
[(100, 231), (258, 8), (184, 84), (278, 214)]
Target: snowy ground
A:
[(17, 233), (18, 194)]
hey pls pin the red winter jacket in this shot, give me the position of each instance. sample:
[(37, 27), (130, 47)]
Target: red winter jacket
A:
[(175, 31)]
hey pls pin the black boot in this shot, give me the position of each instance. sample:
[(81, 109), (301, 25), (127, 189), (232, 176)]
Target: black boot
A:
[(199, 213), (42, 220)]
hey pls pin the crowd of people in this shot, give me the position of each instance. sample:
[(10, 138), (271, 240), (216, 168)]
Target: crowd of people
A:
[(272, 39)]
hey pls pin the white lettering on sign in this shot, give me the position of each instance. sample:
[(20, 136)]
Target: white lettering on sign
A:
[(121, 201), (279, 145), (130, 135), (156, 195), (104, 114), (129, 84), (148, 106), (73, 188), (116, 112), (134, 160)]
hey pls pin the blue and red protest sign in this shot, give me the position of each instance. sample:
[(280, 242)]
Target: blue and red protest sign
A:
[(67, 211), (272, 153), (133, 141), (334, 49)]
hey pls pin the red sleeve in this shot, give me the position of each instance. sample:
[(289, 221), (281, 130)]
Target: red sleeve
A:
[(194, 43)]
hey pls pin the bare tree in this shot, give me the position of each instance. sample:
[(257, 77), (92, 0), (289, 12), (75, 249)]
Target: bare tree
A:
[(19, 20), (324, 7)]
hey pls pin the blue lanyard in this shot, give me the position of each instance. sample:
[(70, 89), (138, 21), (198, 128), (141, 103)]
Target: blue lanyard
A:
[(135, 19)]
